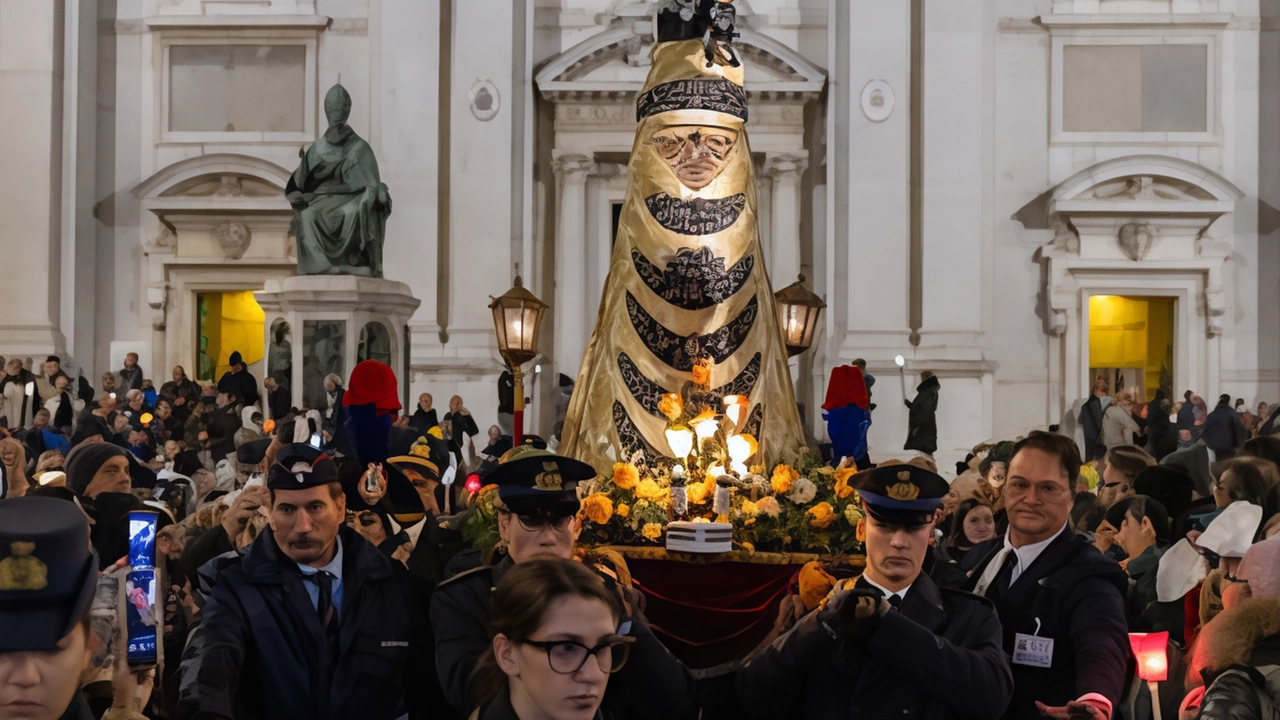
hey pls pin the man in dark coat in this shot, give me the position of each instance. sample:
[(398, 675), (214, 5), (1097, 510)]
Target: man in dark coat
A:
[(245, 380), (1060, 600), (223, 422), (130, 374), (1187, 413), (892, 644), (313, 621), (424, 416), (1091, 420), (1223, 430), (537, 517), (922, 424)]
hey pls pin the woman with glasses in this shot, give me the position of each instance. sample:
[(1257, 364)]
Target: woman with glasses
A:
[(555, 643)]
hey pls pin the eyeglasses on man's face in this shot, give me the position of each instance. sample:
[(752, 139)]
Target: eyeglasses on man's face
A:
[(568, 656)]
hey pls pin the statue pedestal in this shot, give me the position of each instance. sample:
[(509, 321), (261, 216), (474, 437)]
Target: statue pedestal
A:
[(322, 324)]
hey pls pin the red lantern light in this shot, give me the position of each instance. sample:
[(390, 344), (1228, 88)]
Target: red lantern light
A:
[(1151, 651), (473, 483)]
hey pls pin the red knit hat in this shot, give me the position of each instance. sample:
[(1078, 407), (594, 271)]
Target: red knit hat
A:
[(847, 387), (372, 383)]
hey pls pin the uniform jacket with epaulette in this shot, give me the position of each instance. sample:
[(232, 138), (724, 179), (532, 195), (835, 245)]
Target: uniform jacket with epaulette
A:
[(937, 656)]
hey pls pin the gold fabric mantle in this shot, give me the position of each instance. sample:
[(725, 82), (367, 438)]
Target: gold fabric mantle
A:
[(666, 299)]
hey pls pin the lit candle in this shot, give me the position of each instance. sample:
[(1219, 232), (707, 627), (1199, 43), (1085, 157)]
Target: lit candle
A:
[(681, 441), (733, 407), (739, 450)]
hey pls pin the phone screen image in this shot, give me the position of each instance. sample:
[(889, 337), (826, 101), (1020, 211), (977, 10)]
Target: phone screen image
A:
[(140, 588)]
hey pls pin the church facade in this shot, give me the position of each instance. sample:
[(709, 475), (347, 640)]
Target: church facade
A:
[(1018, 195)]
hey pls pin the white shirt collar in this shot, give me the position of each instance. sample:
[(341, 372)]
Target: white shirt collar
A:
[(334, 567), (887, 592), (1027, 554)]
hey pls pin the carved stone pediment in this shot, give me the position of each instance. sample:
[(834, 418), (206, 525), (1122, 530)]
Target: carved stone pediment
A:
[(613, 64), (223, 186), (1145, 187)]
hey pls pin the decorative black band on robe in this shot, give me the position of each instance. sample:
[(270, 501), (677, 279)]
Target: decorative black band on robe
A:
[(680, 352), (694, 279)]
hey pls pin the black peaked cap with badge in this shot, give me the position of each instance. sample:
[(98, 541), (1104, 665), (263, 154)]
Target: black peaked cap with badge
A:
[(535, 481), (48, 572), (900, 494), (300, 466)]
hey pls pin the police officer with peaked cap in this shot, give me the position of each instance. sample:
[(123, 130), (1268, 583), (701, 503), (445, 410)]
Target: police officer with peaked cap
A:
[(891, 643), (48, 574), (538, 517), (313, 621)]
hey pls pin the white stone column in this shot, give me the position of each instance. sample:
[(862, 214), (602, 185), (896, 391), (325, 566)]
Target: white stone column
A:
[(784, 171), (31, 80), (569, 303)]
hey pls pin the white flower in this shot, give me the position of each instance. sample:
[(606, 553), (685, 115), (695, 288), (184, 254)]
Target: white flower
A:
[(803, 491)]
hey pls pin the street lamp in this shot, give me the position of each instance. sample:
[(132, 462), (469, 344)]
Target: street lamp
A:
[(517, 318), (798, 311)]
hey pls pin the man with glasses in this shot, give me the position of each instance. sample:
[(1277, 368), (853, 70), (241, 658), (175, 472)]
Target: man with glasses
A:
[(890, 644), (537, 519), (1060, 600)]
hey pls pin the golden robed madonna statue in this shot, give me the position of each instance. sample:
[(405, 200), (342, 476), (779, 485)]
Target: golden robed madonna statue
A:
[(687, 290)]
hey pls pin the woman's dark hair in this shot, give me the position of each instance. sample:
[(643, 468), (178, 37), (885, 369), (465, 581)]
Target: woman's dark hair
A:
[(1266, 447), (1060, 446), (1085, 508), (1253, 480), (958, 539), (1139, 507), (1129, 460), (984, 467), (519, 605)]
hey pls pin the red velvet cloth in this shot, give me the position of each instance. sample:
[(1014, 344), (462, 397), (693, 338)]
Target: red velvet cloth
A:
[(847, 387), (711, 614)]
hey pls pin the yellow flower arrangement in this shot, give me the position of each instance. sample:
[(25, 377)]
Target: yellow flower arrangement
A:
[(625, 475), (1089, 474), (648, 489), (821, 515), (700, 492), (783, 476), (702, 371), (622, 510), (598, 508), (815, 584), (651, 531), (842, 482), (769, 506), (750, 509)]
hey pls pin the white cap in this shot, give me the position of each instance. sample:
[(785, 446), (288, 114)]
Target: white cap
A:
[(1231, 533), (1181, 569)]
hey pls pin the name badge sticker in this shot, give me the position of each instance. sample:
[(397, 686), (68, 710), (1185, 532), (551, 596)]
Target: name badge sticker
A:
[(1032, 651)]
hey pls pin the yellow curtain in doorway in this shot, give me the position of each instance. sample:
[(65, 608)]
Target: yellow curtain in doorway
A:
[(239, 327), (1118, 332)]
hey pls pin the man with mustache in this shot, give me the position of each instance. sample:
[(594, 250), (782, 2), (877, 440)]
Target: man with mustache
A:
[(313, 621), (1060, 600)]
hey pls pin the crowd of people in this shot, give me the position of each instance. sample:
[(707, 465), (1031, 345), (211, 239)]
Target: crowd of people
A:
[(311, 567)]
